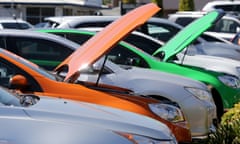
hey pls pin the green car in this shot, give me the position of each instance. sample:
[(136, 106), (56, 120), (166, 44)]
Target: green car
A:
[(225, 88)]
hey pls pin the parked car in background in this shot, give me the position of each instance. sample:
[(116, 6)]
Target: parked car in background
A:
[(44, 49), (226, 28), (163, 31), (159, 28), (128, 55), (14, 23), (227, 6), (55, 120)]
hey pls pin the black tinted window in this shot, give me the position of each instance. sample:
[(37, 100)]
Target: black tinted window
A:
[(45, 53), (160, 31), (145, 44), (78, 38), (184, 21), (15, 26), (92, 24), (124, 56)]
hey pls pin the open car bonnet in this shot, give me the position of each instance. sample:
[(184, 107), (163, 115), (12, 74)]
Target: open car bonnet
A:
[(101, 43), (187, 35)]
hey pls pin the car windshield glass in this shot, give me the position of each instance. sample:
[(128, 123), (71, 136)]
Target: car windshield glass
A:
[(15, 26), (32, 66), (7, 98)]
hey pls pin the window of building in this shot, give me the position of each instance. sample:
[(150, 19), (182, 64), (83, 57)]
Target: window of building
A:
[(36, 15)]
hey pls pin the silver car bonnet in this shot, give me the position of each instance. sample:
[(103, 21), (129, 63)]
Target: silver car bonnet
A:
[(61, 110), (213, 63), (27, 131)]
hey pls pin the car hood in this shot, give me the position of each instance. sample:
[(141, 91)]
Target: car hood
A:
[(220, 49), (187, 35), (99, 44), (49, 132), (68, 111), (213, 63)]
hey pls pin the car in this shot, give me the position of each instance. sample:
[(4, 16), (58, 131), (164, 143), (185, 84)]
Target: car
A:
[(67, 121), (227, 6), (30, 78), (224, 28), (37, 47), (14, 23)]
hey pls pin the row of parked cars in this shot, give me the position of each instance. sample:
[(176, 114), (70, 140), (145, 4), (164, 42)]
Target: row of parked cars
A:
[(128, 79)]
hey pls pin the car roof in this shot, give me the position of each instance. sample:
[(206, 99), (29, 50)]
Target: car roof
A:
[(34, 34), (210, 5)]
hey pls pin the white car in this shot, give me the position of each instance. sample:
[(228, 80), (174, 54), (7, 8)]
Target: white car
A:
[(14, 23), (226, 27), (226, 5)]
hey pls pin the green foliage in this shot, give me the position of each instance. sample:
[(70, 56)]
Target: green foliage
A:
[(129, 1), (186, 5), (228, 131)]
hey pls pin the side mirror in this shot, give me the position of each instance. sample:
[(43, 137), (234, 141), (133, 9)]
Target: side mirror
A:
[(18, 82)]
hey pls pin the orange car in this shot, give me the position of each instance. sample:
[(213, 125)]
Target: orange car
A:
[(29, 78)]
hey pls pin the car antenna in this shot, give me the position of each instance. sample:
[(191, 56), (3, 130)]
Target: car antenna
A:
[(101, 70)]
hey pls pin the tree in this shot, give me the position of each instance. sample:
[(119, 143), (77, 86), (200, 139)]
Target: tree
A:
[(186, 5)]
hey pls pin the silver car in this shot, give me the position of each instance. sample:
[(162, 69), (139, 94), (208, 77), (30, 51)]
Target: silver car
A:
[(55, 120)]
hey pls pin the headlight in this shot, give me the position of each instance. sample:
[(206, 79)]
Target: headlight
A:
[(138, 139), (167, 112), (200, 93), (230, 81)]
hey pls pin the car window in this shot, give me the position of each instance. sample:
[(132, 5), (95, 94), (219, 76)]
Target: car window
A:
[(78, 38), (184, 20), (142, 43), (226, 26), (7, 70), (8, 99), (92, 24), (124, 56), (161, 31), (45, 53), (228, 8), (15, 25)]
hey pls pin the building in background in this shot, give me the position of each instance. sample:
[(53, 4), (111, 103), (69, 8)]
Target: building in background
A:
[(170, 6), (34, 11)]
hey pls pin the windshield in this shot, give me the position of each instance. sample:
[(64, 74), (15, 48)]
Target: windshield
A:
[(15, 26), (32, 66)]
